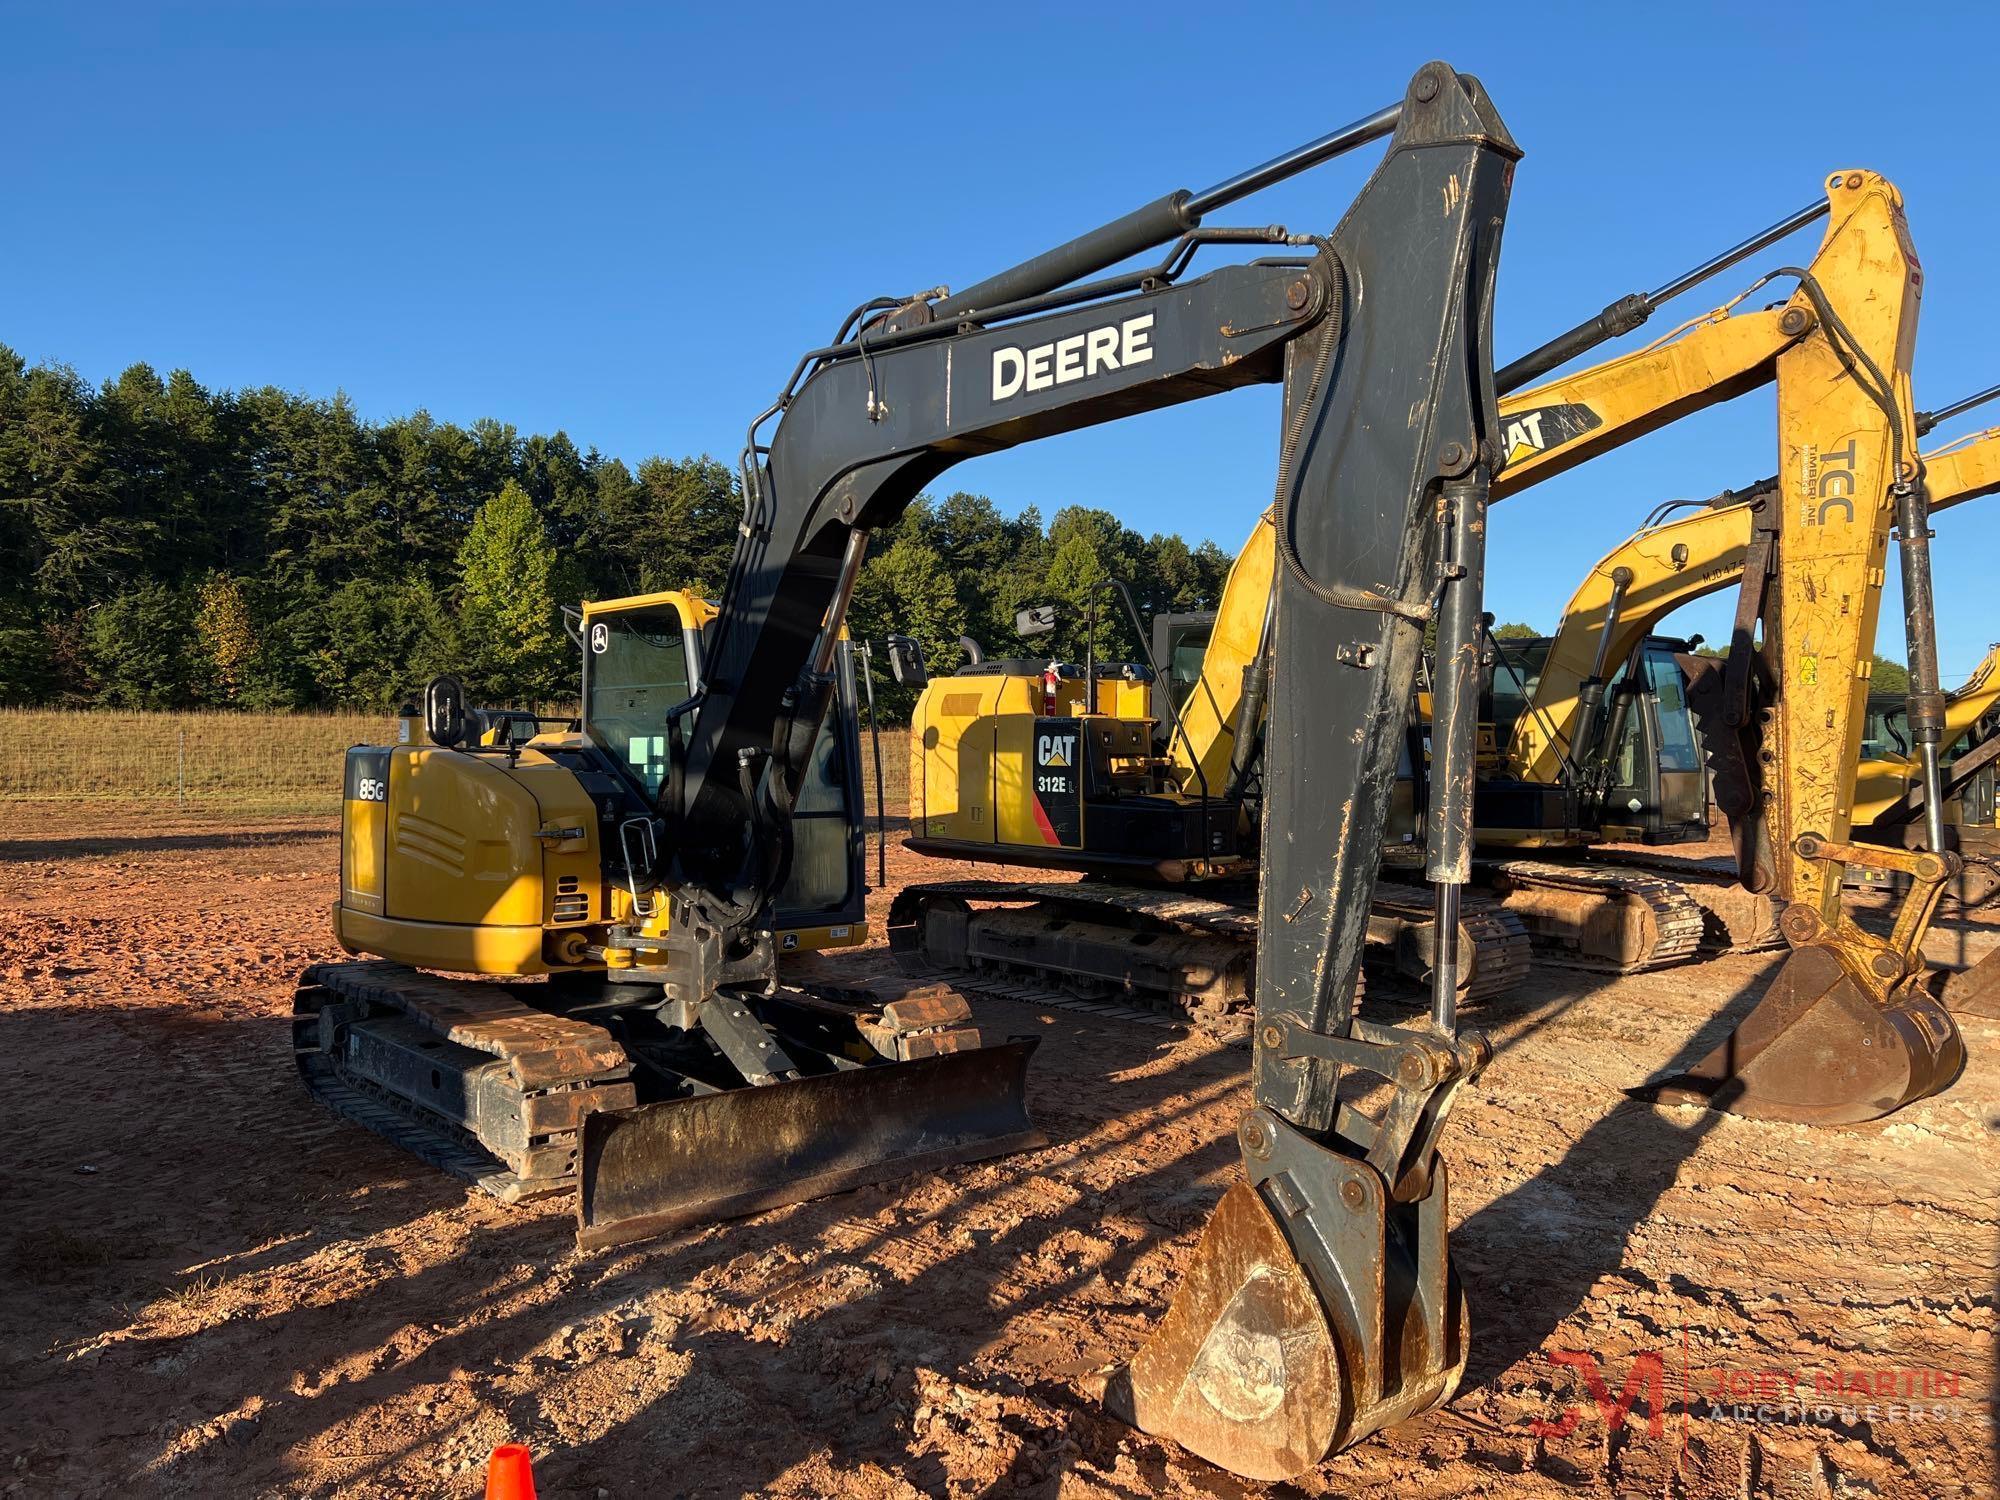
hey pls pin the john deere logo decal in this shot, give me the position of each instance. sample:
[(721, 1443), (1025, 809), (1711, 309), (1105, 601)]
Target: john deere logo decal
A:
[(1547, 427)]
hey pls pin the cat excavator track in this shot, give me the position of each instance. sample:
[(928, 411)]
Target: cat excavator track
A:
[(1652, 922), (1735, 920), (1166, 950)]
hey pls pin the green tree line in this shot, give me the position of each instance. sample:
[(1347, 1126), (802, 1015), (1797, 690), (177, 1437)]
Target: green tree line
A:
[(164, 545)]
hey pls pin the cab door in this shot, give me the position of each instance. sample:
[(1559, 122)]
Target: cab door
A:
[(825, 900), (1658, 789)]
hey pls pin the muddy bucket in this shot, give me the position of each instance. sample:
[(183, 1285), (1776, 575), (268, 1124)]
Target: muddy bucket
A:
[(1818, 1050), (719, 1156), (1316, 1310)]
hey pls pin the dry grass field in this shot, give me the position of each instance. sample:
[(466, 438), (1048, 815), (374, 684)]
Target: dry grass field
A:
[(239, 763), (234, 764)]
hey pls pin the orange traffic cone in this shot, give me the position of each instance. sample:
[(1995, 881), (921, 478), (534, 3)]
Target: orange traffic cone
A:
[(509, 1475)]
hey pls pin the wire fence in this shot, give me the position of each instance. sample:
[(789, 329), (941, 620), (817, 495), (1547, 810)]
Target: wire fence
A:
[(238, 763), (197, 762)]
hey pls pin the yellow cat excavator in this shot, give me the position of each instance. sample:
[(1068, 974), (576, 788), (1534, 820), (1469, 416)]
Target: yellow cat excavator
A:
[(621, 884), (1593, 742), (1888, 790), (1566, 705), (1109, 810)]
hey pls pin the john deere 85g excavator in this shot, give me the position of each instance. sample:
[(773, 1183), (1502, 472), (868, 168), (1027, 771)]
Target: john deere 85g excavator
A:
[(1321, 1305), (481, 844), (1181, 819)]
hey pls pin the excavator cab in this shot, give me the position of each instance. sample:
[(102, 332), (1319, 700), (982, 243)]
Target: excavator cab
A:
[(1643, 780), (1180, 645), (641, 663)]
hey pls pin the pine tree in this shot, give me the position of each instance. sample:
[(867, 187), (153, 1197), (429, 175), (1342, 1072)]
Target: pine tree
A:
[(1888, 676), (908, 591), (1077, 583), (509, 612)]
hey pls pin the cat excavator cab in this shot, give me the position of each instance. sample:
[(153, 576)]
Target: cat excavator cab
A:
[(1322, 1304)]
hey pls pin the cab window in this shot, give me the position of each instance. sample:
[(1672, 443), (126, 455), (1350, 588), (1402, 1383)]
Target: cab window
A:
[(1678, 751), (1184, 660), (1516, 674), (637, 670)]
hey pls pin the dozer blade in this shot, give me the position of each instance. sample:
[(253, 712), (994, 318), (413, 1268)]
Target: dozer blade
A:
[(718, 1156), (1818, 1050), (1316, 1312), (1976, 991)]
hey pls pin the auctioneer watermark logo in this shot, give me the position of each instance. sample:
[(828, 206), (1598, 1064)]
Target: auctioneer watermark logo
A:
[(1652, 1392)]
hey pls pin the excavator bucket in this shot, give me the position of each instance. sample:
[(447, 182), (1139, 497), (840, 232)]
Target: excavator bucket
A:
[(1244, 1369), (1819, 1050), (721, 1155), (1317, 1311)]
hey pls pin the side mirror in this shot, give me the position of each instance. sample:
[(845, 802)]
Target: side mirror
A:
[(906, 662), (1039, 620), (444, 711)]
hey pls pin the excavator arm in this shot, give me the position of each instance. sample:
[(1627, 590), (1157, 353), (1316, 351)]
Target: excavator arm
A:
[(1321, 1306), (1848, 1030), (1839, 351), (1659, 569), (1552, 427)]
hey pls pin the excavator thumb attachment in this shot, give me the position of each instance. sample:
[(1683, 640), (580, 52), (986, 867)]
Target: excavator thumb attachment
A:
[(721, 1155), (1317, 1311), (1819, 1050)]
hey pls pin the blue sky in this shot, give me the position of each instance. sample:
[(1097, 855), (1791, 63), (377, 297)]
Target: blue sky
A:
[(627, 222)]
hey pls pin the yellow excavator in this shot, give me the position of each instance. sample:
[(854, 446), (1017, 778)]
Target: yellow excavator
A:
[(1888, 788), (488, 842), (1889, 774), (1111, 810), (1573, 708), (1593, 742), (618, 888)]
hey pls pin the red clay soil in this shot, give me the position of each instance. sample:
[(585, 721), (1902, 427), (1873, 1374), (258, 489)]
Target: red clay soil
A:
[(212, 1287)]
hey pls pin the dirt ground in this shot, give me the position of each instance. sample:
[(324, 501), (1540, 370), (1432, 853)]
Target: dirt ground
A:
[(210, 1286)]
